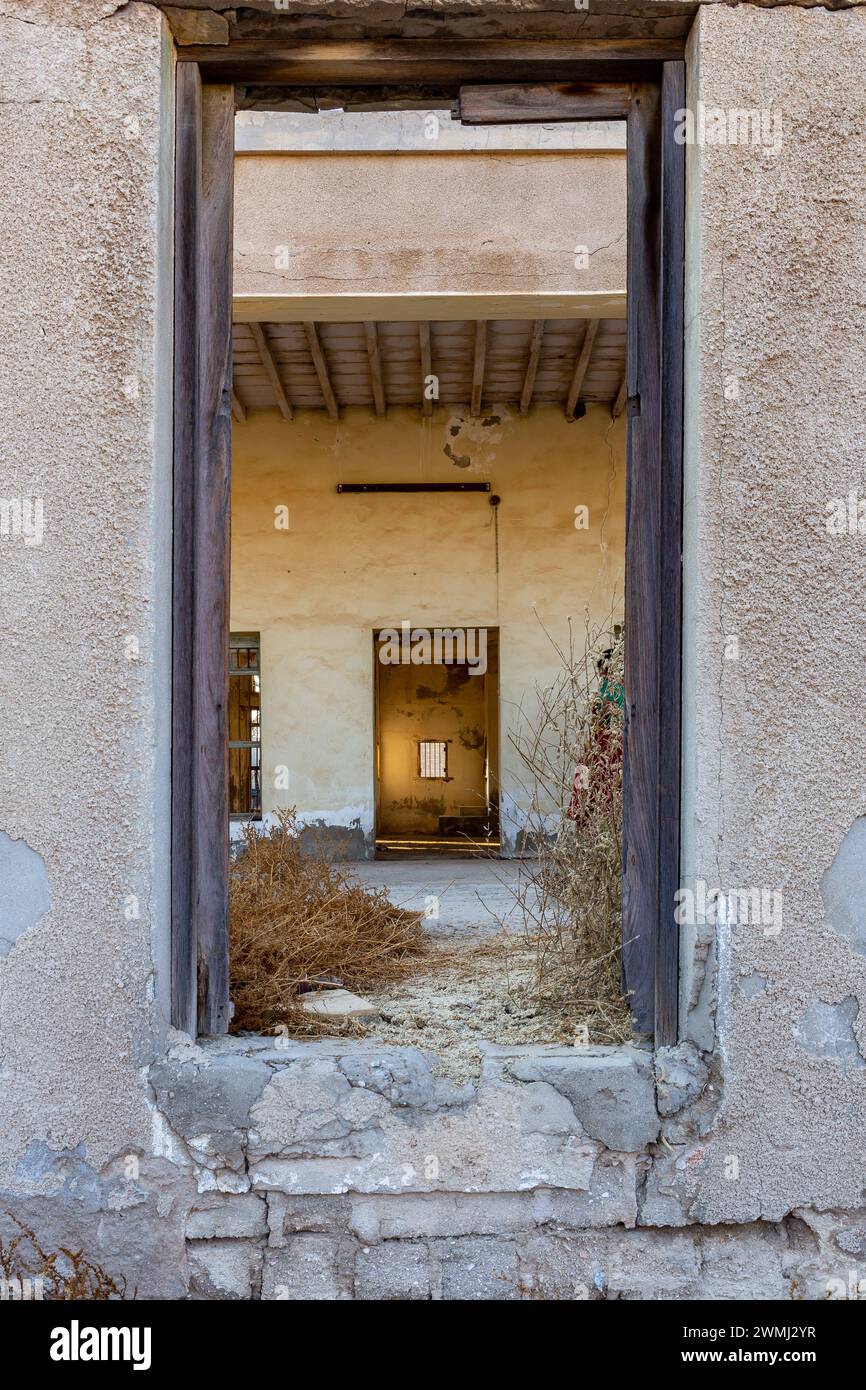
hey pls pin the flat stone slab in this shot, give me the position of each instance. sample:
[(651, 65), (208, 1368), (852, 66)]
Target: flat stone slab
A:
[(339, 1003)]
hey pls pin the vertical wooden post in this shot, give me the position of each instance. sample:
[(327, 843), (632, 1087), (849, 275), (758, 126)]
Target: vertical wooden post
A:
[(202, 486), (643, 599), (673, 192), (187, 184)]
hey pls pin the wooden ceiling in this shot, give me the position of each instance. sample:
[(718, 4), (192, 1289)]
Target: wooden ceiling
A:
[(477, 363)]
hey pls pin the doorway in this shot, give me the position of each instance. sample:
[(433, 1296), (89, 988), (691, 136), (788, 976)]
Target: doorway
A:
[(437, 740)]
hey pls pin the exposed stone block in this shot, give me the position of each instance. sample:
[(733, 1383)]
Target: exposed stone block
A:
[(288, 1216), (217, 1217), (224, 1269), (309, 1267), (681, 1075), (474, 1268), (396, 1270), (611, 1090)]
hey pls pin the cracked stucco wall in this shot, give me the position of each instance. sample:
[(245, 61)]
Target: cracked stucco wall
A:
[(85, 376), (242, 1170), (774, 748), (439, 223)]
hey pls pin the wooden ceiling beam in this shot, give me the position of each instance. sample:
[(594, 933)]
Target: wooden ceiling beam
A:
[(239, 411), (580, 368), (478, 366), (619, 404), (322, 372), (535, 341), (426, 366), (374, 357), (266, 358)]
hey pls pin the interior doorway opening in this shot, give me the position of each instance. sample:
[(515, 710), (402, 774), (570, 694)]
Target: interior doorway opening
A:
[(437, 740)]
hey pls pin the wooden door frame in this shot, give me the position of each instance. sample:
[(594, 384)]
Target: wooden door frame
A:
[(642, 81)]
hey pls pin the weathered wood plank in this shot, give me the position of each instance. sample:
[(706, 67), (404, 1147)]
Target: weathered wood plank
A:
[(432, 61), (322, 372), (239, 411), (580, 367), (643, 601), (211, 560), (187, 175), (672, 313), (559, 101), (478, 366), (375, 359), (619, 402), (426, 367), (267, 360), (535, 342)]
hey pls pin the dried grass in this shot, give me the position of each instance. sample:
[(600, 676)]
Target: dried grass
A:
[(65, 1274), (570, 747), (295, 917)]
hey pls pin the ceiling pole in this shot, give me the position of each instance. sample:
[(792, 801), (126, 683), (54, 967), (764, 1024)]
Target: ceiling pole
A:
[(267, 360), (535, 341), (322, 373), (375, 360), (478, 367), (581, 367)]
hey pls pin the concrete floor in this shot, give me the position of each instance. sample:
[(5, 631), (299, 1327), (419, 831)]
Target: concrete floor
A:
[(463, 897)]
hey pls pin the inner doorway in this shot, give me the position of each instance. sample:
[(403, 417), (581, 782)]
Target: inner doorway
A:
[(437, 740)]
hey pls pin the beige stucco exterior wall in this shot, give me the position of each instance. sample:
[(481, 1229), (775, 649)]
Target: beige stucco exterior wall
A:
[(85, 380), (774, 745), (442, 223), (349, 564)]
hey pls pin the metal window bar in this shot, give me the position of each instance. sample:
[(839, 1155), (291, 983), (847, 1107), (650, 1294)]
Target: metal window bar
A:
[(433, 758), (245, 727)]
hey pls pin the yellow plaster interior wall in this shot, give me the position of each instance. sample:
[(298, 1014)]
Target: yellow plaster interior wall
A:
[(344, 565)]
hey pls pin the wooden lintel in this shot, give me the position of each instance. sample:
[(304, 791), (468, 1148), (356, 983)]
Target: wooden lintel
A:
[(535, 341), (478, 366), (267, 360), (580, 368), (322, 373), (374, 357), (389, 62)]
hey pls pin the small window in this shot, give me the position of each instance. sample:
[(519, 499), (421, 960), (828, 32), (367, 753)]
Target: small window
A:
[(434, 759), (245, 728)]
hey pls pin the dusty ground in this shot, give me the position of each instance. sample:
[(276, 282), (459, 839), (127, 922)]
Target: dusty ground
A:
[(476, 985)]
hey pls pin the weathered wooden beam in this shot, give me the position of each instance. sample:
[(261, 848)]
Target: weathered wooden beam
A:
[(580, 368), (187, 198), (204, 165), (672, 316), (512, 102), (478, 366), (535, 341), (268, 60), (374, 357), (239, 410), (426, 366), (435, 308), (322, 372), (619, 404), (266, 357), (645, 603)]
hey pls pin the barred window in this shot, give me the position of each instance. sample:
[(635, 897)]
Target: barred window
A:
[(433, 758), (245, 730)]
